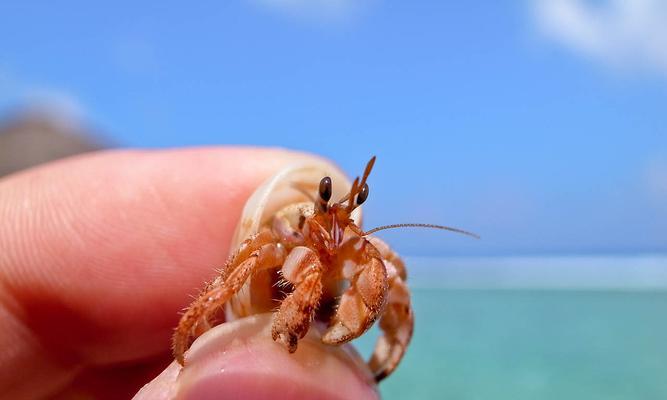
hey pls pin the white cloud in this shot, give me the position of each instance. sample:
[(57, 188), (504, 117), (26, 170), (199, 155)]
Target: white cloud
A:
[(328, 11), (626, 34)]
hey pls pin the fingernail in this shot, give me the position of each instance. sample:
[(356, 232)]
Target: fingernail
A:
[(239, 359)]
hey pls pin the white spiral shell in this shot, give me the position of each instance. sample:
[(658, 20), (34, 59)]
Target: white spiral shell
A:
[(280, 191)]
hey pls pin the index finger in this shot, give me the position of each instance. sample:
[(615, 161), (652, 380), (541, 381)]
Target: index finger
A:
[(99, 252)]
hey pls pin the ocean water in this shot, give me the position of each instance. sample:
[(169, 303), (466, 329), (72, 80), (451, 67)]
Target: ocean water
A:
[(575, 335)]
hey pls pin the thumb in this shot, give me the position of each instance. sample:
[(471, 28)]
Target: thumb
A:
[(239, 359)]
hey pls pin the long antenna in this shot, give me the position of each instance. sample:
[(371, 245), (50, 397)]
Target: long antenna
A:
[(446, 228)]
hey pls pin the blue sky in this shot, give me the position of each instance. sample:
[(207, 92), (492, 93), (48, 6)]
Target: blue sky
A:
[(541, 125)]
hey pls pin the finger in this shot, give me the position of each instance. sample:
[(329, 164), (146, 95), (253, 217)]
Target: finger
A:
[(98, 253), (239, 360), (117, 381)]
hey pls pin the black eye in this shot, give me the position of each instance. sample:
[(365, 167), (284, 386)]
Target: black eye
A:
[(325, 188), (363, 194)]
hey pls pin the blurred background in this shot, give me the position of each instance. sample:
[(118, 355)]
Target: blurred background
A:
[(539, 124)]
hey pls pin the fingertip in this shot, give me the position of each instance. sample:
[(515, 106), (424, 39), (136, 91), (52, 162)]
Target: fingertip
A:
[(239, 360), (163, 387)]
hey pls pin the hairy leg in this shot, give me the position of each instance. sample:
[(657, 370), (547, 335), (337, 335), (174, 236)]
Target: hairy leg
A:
[(397, 322), (303, 269), (256, 253)]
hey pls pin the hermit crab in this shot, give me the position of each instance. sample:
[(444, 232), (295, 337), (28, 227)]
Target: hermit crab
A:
[(306, 258)]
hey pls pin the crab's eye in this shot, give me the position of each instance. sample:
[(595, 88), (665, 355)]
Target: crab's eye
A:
[(363, 194), (325, 188)]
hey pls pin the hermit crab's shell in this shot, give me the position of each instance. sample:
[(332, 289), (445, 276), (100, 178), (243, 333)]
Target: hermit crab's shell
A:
[(292, 184)]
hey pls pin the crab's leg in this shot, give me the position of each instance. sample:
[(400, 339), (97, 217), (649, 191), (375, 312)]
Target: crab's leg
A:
[(303, 269), (397, 324), (258, 252), (389, 255), (363, 301), (397, 320)]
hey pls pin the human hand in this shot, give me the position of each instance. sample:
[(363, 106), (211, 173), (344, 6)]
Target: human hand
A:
[(99, 253)]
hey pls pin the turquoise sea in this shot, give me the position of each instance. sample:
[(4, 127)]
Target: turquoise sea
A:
[(572, 328)]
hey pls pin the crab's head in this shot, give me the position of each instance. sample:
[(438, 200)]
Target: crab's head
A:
[(330, 220)]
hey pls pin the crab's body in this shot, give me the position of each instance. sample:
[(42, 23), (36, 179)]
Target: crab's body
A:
[(309, 260)]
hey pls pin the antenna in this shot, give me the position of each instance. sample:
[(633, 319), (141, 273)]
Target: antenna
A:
[(445, 228)]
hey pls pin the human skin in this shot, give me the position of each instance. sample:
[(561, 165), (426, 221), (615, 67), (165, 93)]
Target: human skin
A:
[(100, 252)]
